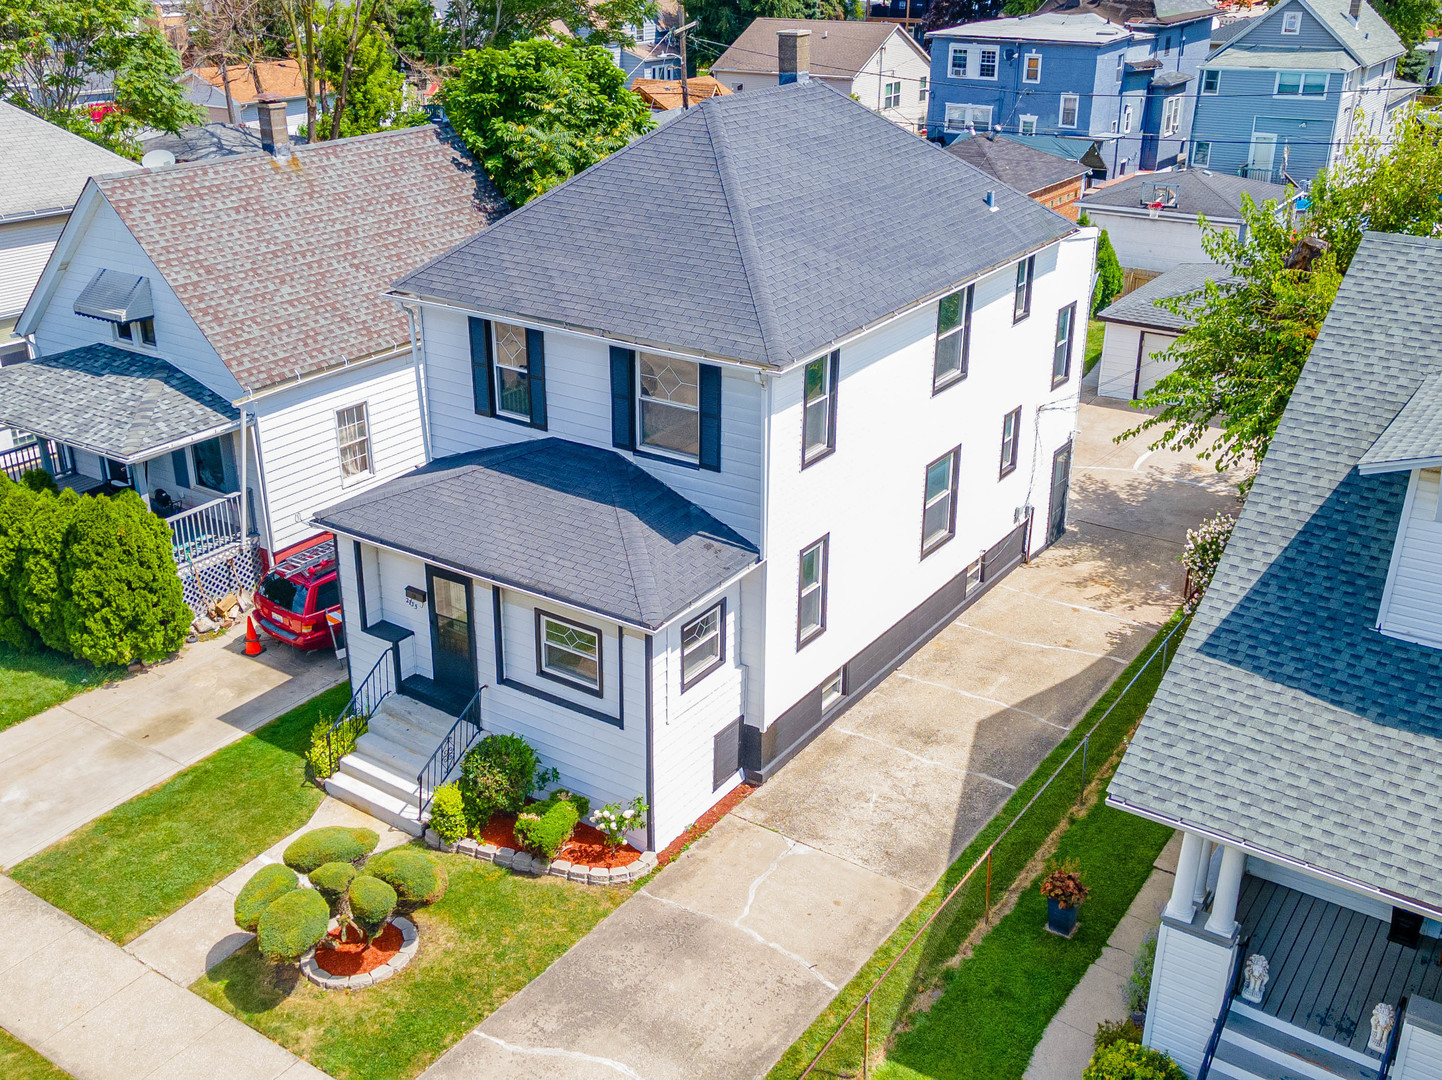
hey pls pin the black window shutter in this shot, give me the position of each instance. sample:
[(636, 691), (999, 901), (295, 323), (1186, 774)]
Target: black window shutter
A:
[(835, 383), (481, 366), (180, 467), (536, 366), (710, 417), (623, 407)]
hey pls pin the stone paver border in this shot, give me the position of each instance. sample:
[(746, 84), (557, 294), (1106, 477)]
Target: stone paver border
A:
[(518, 862), (410, 941)]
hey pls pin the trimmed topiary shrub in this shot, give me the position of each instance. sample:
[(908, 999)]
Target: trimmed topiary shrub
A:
[(543, 833), (499, 774), (335, 843), (448, 813), (372, 902), (39, 480), (1131, 1061), (267, 885), (292, 924), (37, 574), (332, 880), (411, 873), (16, 506)]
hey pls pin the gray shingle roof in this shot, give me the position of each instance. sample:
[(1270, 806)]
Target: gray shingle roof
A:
[(109, 401), (1414, 439), (1139, 307), (579, 524), (1370, 41), (839, 48), (1136, 12), (44, 167), (1286, 720), (1016, 164), (726, 232), (207, 141), (1199, 191)]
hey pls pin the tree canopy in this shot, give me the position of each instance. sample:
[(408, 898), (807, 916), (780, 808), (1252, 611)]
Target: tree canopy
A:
[(539, 112), (720, 22), (1410, 19), (479, 24)]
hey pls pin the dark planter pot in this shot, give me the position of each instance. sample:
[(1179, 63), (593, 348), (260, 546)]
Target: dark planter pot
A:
[(1061, 920)]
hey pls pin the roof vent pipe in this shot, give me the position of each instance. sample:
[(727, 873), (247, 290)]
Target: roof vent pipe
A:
[(274, 133), (991, 200), (793, 56)]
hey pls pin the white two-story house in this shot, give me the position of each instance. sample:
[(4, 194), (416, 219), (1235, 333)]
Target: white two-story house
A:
[(684, 510), (1296, 739), (212, 335)]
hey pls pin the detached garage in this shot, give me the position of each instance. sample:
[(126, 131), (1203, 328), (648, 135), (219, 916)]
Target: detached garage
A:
[(1138, 331)]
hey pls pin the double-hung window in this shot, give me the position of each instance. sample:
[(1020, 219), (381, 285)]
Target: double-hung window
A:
[(818, 410), (986, 64), (1126, 118), (669, 405), (703, 645), (953, 338), (1028, 125), (1025, 272), (921, 87), (1292, 22), (811, 591), (959, 59), (1061, 349), (568, 651), (1031, 72), (1172, 115), (938, 514), (1211, 80), (891, 95), (508, 371), (1010, 440), (513, 382), (139, 332), (961, 117), (1300, 84), (1202, 155), (1070, 106), (210, 471), (354, 439)]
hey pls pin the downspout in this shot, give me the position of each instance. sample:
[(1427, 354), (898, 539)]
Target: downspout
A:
[(260, 482), (650, 748), (244, 461), (417, 366)]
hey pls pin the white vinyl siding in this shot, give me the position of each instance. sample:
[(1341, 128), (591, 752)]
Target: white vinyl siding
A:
[(1412, 603), (24, 247), (1118, 373), (1188, 982)]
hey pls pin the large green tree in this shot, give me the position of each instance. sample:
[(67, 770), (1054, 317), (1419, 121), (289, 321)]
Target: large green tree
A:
[(720, 22), (1410, 19), (1251, 331), (499, 23), (373, 83), (539, 112)]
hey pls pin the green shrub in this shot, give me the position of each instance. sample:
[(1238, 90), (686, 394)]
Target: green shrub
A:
[(580, 802), (336, 843), (266, 885), (410, 872), (1115, 1031), (38, 570), (372, 902), (1131, 1061), (1139, 986), (39, 480), (1110, 277), (448, 813), (499, 774), (292, 924), (326, 749), (17, 503), (332, 880), (543, 833)]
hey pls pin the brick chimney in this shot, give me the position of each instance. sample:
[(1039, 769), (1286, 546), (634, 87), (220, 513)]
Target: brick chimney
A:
[(793, 56), (1355, 11), (274, 134)]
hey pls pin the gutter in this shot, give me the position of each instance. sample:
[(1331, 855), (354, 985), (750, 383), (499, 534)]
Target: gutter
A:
[(144, 455), (1142, 211), (389, 352)]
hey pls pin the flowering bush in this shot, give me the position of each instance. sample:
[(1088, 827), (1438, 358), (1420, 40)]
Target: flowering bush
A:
[(1064, 885), (614, 821), (1205, 545)]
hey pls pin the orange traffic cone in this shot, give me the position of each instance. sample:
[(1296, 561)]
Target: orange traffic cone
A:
[(253, 647)]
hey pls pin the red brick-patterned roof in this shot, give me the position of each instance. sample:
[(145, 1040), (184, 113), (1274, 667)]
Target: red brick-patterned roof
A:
[(282, 265)]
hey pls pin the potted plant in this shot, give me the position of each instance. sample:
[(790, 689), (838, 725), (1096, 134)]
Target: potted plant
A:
[(1064, 894)]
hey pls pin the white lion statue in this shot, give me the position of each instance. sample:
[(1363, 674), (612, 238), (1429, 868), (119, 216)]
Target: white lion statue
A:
[(1256, 972), (1383, 1017)]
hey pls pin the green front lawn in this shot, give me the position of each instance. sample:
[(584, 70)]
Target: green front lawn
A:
[(125, 871), (32, 682), (1096, 334), (19, 1062), (491, 934)]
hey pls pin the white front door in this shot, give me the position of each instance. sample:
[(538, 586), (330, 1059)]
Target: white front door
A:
[(1264, 151)]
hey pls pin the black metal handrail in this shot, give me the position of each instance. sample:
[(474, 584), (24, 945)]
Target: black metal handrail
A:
[(1232, 983), (453, 746), (1390, 1055), (373, 689)]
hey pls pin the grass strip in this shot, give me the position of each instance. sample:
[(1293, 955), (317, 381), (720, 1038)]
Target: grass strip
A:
[(19, 1062), (128, 869), (487, 937), (1096, 335), (997, 1004), (921, 968), (32, 682)]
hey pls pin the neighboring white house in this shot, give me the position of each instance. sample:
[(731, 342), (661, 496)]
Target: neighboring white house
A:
[(878, 63), (206, 87), (684, 510), (213, 335), (1152, 219), (1138, 331), (1296, 739)]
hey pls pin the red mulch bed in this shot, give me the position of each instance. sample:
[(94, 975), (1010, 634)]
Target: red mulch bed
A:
[(587, 847), (703, 824), (353, 956)]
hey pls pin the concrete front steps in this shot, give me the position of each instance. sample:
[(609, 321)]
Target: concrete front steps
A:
[(379, 776), (1255, 1046)]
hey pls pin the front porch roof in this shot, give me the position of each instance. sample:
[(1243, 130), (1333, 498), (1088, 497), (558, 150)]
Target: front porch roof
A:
[(1413, 440), (112, 402), (579, 524)]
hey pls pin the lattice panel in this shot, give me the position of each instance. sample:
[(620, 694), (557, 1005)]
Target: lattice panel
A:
[(217, 574)]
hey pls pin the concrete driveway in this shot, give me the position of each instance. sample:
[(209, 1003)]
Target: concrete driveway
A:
[(719, 964), (73, 762)]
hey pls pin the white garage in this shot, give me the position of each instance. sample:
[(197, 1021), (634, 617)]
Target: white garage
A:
[(1139, 332)]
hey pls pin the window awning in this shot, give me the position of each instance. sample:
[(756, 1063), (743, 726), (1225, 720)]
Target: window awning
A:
[(114, 297), (1413, 440)]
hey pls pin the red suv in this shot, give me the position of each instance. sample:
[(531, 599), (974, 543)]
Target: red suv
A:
[(291, 602)]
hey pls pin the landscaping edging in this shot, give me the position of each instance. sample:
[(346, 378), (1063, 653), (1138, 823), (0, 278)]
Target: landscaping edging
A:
[(410, 938), (521, 863)]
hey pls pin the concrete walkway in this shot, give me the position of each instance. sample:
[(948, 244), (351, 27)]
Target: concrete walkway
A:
[(1067, 1044), (75, 761), (101, 1014), (719, 964)]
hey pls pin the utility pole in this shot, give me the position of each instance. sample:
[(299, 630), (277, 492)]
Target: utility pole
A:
[(685, 87)]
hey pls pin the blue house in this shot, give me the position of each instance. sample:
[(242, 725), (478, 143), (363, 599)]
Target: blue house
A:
[(1285, 97), (1117, 74)]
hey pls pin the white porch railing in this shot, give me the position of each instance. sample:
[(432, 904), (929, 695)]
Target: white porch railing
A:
[(46, 454), (206, 528)]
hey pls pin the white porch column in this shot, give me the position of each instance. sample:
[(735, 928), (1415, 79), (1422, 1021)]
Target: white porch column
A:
[(1223, 921), (1185, 883), (1204, 866)]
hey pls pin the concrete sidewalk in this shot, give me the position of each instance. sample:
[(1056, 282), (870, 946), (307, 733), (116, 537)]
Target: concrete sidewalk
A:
[(101, 1014), (75, 761), (718, 965)]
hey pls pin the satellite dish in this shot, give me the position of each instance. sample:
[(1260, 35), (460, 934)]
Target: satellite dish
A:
[(157, 159)]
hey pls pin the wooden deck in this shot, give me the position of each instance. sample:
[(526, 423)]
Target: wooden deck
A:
[(1330, 966)]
